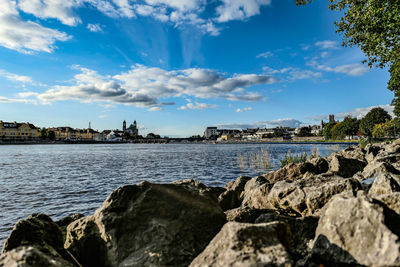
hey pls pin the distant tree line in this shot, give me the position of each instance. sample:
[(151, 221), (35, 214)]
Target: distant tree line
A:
[(376, 123)]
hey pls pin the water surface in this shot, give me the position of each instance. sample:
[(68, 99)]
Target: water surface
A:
[(60, 180)]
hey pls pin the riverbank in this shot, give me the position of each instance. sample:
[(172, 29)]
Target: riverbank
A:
[(340, 210)]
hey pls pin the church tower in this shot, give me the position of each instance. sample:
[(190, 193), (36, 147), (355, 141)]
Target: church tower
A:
[(124, 126)]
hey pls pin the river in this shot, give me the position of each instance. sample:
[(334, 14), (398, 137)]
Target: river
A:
[(60, 180)]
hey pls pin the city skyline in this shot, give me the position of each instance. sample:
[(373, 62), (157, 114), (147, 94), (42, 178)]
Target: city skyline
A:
[(179, 66)]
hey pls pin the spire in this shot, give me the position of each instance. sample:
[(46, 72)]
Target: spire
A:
[(124, 126)]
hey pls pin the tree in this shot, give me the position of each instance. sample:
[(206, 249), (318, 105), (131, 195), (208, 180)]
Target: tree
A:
[(51, 135), (327, 131), (43, 133), (338, 132), (372, 25), (388, 129), (374, 116), (350, 126)]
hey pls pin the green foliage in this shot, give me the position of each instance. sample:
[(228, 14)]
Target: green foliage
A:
[(327, 131), (372, 25), (293, 158), (337, 131), (304, 131), (43, 133), (374, 116), (348, 127), (390, 128), (51, 135)]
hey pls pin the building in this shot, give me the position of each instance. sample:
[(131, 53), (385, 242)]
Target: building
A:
[(71, 134), (18, 131), (331, 118), (210, 132), (132, 129)]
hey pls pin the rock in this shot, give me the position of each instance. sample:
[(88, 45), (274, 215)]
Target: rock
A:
[(193, 184), (371, 152), (27, 256), (232, 197), (290, 172), (357, 230), (385, 183), (84, 241), (245, 214), (302, 229), (38, 231), (352, 152), (320, 165), (392, 201), (376, 167), (307, 196), (151, 225), (63, 223), (256, 192), (345, 167), (242, 244)]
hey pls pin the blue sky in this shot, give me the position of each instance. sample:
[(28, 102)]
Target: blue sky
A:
[(177, 66)]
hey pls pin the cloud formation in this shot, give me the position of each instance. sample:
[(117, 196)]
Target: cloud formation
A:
[(293, 123), (239, 9), (15, 77), (241, 110), (327, 44), (94, 27), (196, 105), (144, 86), (358, 113), (25, 36)]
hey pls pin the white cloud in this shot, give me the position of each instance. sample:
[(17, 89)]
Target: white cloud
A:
[(94, 27), (27, 94), (57, 9), (196, 105), (358, 113), (348, 69), (327, 44), (16, 100), (155, 109), (293, 123), (25, 36), (293, 74), (241, 110), (143, 86), (239, 9), (266, 54), (15, 77)]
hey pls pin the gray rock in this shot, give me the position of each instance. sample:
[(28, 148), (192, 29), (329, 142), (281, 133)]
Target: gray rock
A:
[(385, 183), (345, 167), (290, 172), (38, 231), (27, 256), (357, 230), (64, 222), (392, 201), (242, 244), (375, 167), (307, 196), (255, 194), (152, 225), (371, 152), (302, 229), (320, 165), (195, 185), (245, 214), (233, 196)]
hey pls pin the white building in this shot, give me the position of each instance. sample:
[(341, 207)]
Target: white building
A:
[(210, 131)]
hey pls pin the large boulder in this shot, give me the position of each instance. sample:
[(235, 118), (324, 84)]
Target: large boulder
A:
[(245, 214), (291, 172), (307, 196), (345, 167), (256, 192), (195, 185), (38, 231), (375, 167), (150, 225), (372, 151), (392, 201), (233, 196), (302, 229), (242, 244), (385, 183), (357, 231), (320, 165), (27, 256)]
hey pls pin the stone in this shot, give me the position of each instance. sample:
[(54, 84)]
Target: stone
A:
[(371, 152), (255, 194), (392, 201), (345, 167), (320, 165), (64, 222), (233, 196), (302, 229), (307, 196), (385, 183), (290, 172), (245, 214), (243, 244), (352, 152), (27, 256), (84, 241), (39, 231), (193, 184), (151, 225), (357, 231), (376, 167)]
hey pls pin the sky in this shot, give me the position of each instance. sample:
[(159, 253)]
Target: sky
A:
[(178, 66)]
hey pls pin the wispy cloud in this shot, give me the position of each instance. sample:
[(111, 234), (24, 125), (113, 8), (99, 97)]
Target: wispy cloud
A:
[(266, 54), (327, 44), (196, 105), (94, 28), (15, 77), (293, 123), (293, 74), (241, 110)]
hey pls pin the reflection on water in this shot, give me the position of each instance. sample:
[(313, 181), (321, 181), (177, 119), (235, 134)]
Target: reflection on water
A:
[(60, 180)]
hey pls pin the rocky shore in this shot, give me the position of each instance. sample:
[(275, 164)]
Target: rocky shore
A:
[(342, 210)]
